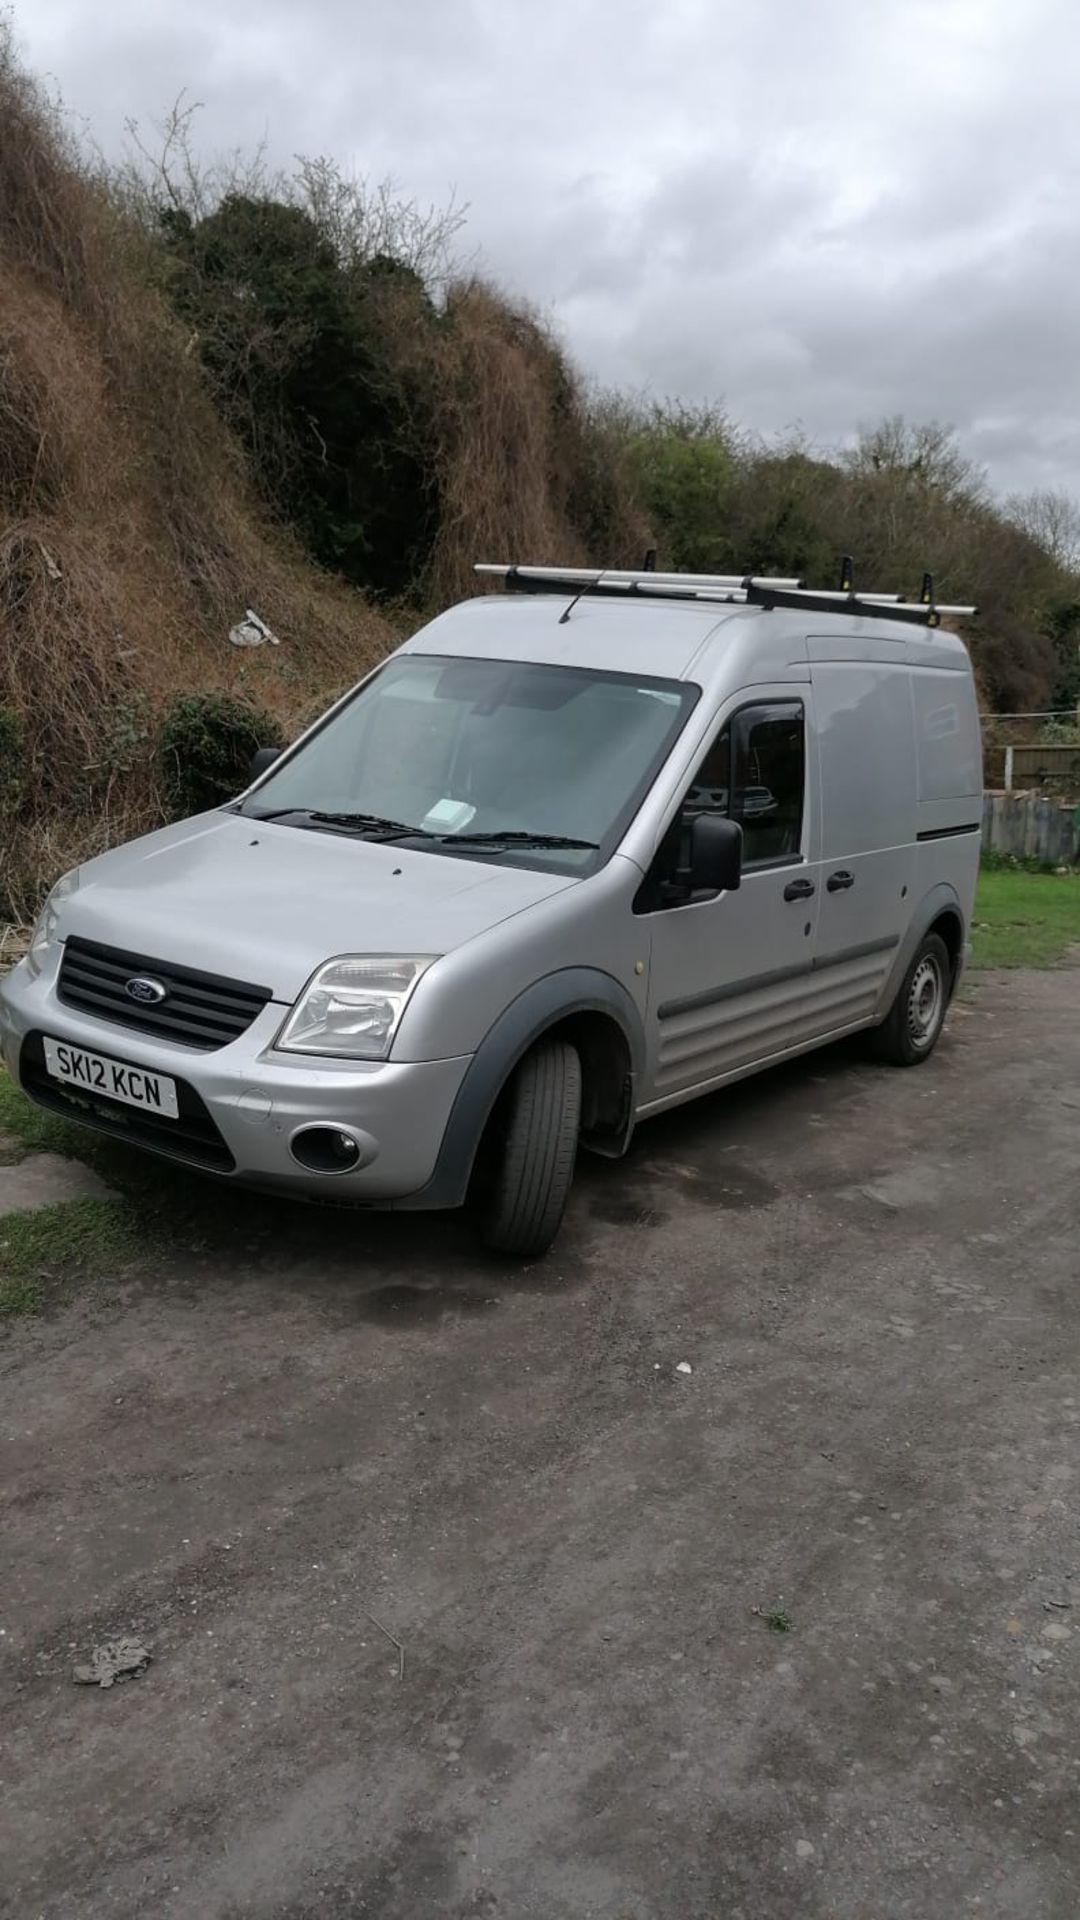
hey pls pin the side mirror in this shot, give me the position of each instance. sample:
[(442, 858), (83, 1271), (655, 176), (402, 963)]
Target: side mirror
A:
[(263, 758), (715, 855)]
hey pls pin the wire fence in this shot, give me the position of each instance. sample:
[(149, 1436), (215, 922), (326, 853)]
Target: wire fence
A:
[(1067, 714)]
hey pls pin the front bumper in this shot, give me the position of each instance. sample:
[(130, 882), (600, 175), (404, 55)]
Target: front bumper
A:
[(250, 1099)]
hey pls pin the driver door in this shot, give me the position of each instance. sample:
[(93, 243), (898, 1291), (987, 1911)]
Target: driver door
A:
[(729, 974)]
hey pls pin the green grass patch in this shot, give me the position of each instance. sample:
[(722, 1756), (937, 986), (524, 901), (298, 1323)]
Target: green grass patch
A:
[(33, 1129), (168, 1198), (1025, 919), (156, 1209), (58, 1244), (152, 1206)]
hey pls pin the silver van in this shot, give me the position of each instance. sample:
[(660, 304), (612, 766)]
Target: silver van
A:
[(577, 852)]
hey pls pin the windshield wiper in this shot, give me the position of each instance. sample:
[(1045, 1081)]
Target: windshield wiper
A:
[(516, 839), (364, 823), (273, 813), (373, 826)]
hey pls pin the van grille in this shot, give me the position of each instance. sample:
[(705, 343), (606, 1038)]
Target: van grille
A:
[(198, 1009), (192, 1136)]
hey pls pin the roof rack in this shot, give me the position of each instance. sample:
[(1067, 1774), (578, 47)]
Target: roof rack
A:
[(758, 590)]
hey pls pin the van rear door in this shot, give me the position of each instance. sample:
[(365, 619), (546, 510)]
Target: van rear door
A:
[(868, 783)]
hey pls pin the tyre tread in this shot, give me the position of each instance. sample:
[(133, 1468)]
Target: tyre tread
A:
[(533, 1181)]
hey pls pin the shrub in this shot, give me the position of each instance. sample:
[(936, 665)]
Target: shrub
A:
[(207, 740), (682, 466), (123, 743), (301, 352)]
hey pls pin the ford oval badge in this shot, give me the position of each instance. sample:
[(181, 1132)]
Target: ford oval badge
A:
[(149, 993)]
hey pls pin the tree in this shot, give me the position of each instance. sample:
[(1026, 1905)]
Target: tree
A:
[(296, 346), (681, 466), (1052, 520)]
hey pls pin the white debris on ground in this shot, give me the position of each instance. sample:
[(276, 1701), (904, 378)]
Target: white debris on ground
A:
[(684, 1367), (252, 632)]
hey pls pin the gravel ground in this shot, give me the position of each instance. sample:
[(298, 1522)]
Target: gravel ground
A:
[(462, 1596)]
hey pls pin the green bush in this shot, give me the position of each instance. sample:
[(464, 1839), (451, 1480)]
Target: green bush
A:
[(304, 354), (683, 471), (206, 744), (993, 861)]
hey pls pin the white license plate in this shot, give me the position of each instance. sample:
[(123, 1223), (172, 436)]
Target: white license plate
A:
[(96, 1073)]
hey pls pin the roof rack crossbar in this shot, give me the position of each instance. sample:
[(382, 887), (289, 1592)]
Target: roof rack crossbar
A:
[(913, 612), (760, 590), (576, 576)]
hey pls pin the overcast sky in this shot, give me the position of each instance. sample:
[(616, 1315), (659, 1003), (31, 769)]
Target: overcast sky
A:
[(815, 211)]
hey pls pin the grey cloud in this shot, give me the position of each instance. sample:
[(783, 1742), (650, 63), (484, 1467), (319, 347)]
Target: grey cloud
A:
[(815, 213)]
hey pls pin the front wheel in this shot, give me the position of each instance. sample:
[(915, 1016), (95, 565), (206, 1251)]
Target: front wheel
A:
[(913, 1027), (534, 1137)]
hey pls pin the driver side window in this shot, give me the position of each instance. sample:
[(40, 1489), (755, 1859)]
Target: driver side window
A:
[(755, 772)]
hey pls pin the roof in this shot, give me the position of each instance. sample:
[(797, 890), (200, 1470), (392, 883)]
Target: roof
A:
[(670, 639)]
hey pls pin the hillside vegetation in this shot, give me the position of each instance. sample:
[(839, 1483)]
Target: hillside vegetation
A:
[(130, 539), (222, 390)]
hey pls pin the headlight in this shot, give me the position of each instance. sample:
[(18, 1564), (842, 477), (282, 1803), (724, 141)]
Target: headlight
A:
[(48, 920), (353, 1006)]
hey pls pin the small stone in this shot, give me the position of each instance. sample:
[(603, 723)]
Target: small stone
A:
[(684, 1367), (1056, 1631), (804, 1849)]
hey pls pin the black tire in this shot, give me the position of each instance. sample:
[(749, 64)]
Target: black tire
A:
[(534, 1147), (913, 1028)]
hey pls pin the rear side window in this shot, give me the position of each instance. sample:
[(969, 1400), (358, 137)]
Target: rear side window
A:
[(946, 734), (865, 730), (755, 773)]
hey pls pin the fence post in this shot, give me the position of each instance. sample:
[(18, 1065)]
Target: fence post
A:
[(1008, 769)]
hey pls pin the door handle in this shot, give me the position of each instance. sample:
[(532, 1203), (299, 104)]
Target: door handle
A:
[(839, 882), (799, 890)]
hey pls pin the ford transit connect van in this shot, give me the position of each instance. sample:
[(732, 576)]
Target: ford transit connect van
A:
[(575, 853)]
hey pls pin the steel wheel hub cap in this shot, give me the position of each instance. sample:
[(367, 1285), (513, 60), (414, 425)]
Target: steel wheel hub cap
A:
[(925, 1001)]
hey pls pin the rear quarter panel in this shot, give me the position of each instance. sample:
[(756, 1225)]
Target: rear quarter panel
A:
[(949, 749)]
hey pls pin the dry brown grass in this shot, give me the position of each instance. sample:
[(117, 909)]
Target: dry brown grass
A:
[(511, 453), (129, 539)]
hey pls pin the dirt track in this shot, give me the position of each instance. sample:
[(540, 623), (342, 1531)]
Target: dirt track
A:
[(873, 1276)]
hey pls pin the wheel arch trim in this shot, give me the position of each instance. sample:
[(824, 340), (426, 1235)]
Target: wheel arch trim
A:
[(559, 996), (942, 900)]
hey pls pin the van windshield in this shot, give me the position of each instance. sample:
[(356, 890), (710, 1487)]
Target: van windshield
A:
[(538, 766)]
